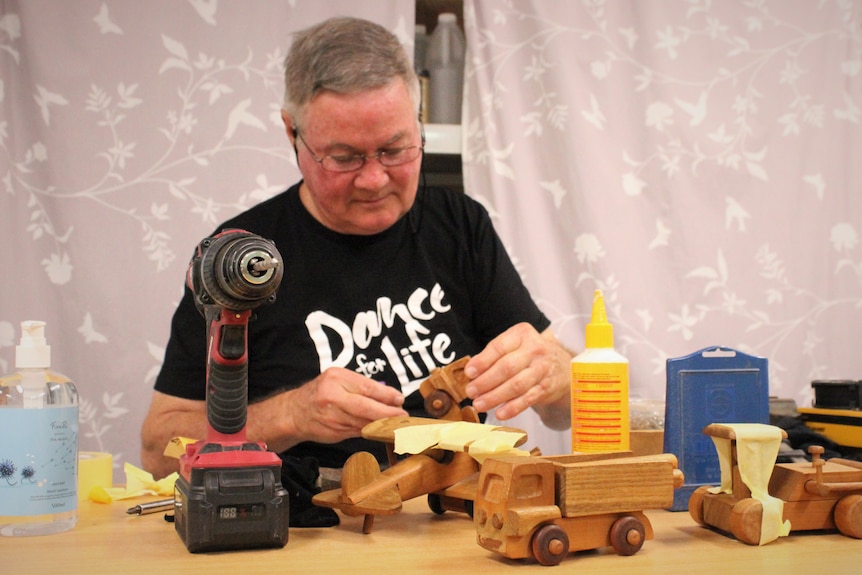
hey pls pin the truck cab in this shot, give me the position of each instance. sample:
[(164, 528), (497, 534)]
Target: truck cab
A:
[(513, 497)]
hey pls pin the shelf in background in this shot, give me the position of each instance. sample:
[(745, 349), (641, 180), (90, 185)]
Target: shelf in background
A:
[(442, 138)]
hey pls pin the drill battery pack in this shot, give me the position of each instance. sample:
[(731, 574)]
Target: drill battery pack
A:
[(224, 507)]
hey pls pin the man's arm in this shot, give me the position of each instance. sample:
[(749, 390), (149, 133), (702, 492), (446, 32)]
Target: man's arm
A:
[(171, 417), (167, 418), (334, 406)]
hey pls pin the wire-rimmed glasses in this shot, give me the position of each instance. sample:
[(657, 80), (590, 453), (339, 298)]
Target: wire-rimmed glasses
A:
[(351, 162)]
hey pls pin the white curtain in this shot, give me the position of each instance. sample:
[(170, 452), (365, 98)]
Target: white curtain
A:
[(128, 130), (697, 160)]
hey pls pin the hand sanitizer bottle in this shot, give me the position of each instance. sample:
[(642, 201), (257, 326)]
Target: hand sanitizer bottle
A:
[(39, 451)]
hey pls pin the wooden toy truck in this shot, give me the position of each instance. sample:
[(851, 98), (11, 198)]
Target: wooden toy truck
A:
[(816, 495), (546, 506)]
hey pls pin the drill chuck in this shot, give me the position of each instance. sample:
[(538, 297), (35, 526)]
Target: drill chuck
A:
[(235, 270)]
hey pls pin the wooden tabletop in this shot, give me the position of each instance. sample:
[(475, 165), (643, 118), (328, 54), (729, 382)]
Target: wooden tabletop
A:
[(108, 541)]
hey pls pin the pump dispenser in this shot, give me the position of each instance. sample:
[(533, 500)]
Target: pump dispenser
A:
[(600, 388), (39, 468)]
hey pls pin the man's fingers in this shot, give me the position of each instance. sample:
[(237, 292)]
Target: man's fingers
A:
[(517, 385), (382, 393)]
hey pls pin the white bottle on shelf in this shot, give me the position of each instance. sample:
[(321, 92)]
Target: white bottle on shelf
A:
[(445, 64), (420, 48), (39, 455)]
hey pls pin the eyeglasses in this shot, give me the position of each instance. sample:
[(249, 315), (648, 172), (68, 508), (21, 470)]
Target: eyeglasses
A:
[(352, 162)]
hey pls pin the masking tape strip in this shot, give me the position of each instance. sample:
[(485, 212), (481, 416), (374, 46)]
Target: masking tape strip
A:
[(95, 469)]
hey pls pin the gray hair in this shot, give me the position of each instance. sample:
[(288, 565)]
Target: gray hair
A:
[(345, 56)]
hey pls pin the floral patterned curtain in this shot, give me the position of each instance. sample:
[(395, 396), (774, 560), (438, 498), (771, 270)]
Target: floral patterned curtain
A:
[(696, 160)]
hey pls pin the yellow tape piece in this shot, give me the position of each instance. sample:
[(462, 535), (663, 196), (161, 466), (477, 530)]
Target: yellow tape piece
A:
[(176, 447), (138, 483), (757, 447)]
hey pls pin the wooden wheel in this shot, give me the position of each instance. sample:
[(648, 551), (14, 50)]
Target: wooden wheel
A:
[(746, 518), (848, 516), (695, 504), (550, 544), (439, 504), (438, 403), (468, 507), (627, 535), (435, 505)]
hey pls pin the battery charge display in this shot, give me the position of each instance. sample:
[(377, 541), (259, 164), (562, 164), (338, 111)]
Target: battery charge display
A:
[(240, 512)]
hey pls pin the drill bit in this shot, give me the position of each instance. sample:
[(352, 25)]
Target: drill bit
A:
[(151, 507)]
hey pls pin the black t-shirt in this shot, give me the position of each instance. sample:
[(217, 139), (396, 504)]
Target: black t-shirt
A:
[(436, 286)]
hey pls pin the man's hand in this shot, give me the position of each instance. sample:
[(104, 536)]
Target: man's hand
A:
[(334, 406), (522, 368)]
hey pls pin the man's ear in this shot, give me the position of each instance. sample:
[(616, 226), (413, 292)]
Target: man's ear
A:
[(289, 126)]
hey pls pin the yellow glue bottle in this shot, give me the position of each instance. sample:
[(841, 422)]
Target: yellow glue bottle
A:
[(600, 389)]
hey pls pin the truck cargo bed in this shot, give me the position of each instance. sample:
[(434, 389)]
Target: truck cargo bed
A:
[(612, 485)]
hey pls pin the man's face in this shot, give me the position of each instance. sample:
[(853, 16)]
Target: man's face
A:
[(372, 198)]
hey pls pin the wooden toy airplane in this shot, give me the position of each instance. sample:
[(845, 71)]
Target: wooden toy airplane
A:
[(448, 476), (446, 470), (445, 389)]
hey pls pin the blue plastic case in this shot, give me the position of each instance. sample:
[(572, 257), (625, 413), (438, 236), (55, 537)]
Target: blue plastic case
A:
[(713, 385)]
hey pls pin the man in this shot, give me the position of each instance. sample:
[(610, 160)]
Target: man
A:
[(384, 280)]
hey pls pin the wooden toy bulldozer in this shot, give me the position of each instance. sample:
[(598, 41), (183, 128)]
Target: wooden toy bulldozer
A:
[(814, 496)]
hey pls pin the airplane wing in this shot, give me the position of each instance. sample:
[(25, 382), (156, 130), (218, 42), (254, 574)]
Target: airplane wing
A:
[(455, 435), (383, 430)]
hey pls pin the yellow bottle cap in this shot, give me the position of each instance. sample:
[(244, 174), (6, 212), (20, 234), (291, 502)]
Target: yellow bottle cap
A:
[(599, 332)]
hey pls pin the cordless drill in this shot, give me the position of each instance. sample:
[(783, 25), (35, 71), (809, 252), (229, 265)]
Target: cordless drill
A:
[(229, 493)]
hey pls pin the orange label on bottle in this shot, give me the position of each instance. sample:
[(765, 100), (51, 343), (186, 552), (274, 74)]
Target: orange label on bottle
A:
[(600, 407)]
